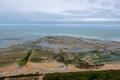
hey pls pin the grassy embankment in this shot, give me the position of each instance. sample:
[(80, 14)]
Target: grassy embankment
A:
[(25, 58)]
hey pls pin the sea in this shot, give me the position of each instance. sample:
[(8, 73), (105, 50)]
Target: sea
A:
[(11, 34)]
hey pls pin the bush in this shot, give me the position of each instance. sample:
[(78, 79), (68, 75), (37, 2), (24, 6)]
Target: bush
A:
[(37, 59), (91, 75)]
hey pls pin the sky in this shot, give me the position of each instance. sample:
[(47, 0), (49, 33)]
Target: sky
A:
[(84, 9), (60, 6)]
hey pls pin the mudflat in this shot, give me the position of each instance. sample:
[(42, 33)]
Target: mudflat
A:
[(60, 54)]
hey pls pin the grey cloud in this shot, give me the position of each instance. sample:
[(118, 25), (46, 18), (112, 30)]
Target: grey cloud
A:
[(116, 4), (82, 8), (89, 1), (79, 12), (101, 13), (92, 1)]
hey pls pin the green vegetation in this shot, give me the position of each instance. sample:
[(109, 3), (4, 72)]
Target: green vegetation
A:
[(22, 75), (25, 58), (37, 59), (115, 53), (107, 57), (26, 75), (91, 75), (79, 55), (1, 78)]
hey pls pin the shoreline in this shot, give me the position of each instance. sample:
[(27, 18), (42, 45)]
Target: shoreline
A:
[(58, 35), (66, 44)]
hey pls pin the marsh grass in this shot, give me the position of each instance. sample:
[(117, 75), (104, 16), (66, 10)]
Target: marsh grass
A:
[(37, 59), (25, 58)]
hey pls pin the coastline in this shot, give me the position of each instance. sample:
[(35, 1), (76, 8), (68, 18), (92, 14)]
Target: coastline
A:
[(67, 44)]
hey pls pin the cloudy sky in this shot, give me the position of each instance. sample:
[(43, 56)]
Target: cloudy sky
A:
[(83, 8)]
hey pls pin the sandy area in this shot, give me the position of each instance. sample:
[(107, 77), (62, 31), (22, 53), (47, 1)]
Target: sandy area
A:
[(49, 67)]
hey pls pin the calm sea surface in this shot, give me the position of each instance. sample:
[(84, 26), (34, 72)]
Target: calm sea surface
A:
[(14, 34)]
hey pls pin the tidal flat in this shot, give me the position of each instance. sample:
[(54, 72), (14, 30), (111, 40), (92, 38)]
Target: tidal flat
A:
[(53, 54)]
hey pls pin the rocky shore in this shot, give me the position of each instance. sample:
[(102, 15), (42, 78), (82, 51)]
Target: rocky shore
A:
[(59, 54)]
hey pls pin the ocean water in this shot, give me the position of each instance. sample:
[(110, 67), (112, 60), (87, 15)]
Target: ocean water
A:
[(20, 33)]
